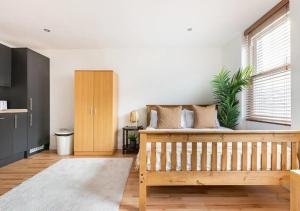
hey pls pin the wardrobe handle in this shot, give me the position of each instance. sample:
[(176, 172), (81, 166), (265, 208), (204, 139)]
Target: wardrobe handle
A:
[(16, 121), (91, 111), (95, 111), (2, 118)]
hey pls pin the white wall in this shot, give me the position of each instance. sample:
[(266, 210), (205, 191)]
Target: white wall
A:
[(232, 54), (232, 61), (231, 50), (146, 76)]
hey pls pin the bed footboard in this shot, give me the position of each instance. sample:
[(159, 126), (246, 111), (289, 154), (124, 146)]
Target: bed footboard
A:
[(267, 164)]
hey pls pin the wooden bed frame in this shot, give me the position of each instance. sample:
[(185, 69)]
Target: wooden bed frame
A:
[(184, 177)]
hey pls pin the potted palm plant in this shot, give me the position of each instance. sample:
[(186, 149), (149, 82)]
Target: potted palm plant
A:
[(132, 138), (225, 90)]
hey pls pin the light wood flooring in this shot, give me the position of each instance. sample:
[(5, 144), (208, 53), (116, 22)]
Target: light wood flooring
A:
[(163, 198)]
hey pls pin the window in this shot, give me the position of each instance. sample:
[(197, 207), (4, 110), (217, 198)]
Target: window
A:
[(269, 46)]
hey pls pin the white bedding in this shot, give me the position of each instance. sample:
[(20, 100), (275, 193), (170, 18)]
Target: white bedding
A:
[(209, 152)]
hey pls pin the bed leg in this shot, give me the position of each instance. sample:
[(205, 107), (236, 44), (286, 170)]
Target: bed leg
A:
[(143, 164), (142, 194)]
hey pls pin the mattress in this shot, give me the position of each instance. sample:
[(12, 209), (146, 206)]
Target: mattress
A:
[(219, 152)]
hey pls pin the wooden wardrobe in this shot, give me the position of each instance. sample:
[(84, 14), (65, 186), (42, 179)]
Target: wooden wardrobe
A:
[(95, 127)]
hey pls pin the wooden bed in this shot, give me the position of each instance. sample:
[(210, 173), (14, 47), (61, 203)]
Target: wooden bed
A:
[(173, 177)]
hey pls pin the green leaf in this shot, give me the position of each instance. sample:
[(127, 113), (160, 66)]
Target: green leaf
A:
[(225, 89)]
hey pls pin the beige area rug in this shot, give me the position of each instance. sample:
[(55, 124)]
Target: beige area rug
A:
[(72, 184)]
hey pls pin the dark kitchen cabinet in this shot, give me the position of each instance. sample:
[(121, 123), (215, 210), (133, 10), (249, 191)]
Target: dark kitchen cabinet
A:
[(19, 132), (5, 66), (31, 89), (13, 138), (38, 97), (6, 122)]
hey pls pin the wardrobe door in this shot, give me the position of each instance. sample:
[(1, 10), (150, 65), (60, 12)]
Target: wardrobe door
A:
[(84, 118), (103, 118)]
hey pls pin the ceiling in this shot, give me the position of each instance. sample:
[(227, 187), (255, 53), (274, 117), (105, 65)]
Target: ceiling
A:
[(93, 24)]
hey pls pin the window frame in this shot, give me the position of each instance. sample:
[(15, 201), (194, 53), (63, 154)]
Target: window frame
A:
[(254, 31)]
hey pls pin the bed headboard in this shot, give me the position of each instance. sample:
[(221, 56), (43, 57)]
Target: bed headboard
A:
[(154, 107)]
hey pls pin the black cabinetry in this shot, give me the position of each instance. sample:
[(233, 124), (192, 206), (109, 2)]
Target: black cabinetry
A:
[(19, 132), (13, 138), (6, 137), (30, 89), (5, 66)]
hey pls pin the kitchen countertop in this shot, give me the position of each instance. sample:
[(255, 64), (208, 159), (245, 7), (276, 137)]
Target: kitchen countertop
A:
[(13, 111)]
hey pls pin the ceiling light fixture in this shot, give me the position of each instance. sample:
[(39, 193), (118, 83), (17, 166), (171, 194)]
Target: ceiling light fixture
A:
[(47, 30), (189, 29)]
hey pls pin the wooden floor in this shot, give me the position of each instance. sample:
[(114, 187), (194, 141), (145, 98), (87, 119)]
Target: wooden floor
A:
[(163, 198)]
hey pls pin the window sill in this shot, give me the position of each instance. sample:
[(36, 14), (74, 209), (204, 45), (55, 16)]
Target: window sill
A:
[(269, 122)]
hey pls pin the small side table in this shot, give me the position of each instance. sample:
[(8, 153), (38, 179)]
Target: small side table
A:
[(127, 148), (295, 190)]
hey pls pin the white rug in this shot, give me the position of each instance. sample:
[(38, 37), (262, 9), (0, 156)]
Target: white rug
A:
[(72, 184)]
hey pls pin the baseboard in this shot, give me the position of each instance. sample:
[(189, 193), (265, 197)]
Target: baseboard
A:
[(38, 149)]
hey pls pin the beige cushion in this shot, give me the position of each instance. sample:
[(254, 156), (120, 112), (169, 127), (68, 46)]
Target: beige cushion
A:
[(205, 116), (169, 117)]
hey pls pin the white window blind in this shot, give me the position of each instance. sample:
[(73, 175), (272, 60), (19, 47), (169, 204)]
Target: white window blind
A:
[(269, 96)]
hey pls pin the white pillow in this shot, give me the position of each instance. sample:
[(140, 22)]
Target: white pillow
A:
[(189, 119), (182, 119), (153, 119)]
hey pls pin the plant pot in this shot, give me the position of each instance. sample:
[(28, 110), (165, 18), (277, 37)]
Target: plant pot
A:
[(132, 143)]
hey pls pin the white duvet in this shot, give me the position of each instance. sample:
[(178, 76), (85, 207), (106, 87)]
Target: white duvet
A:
[(209, 154)]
